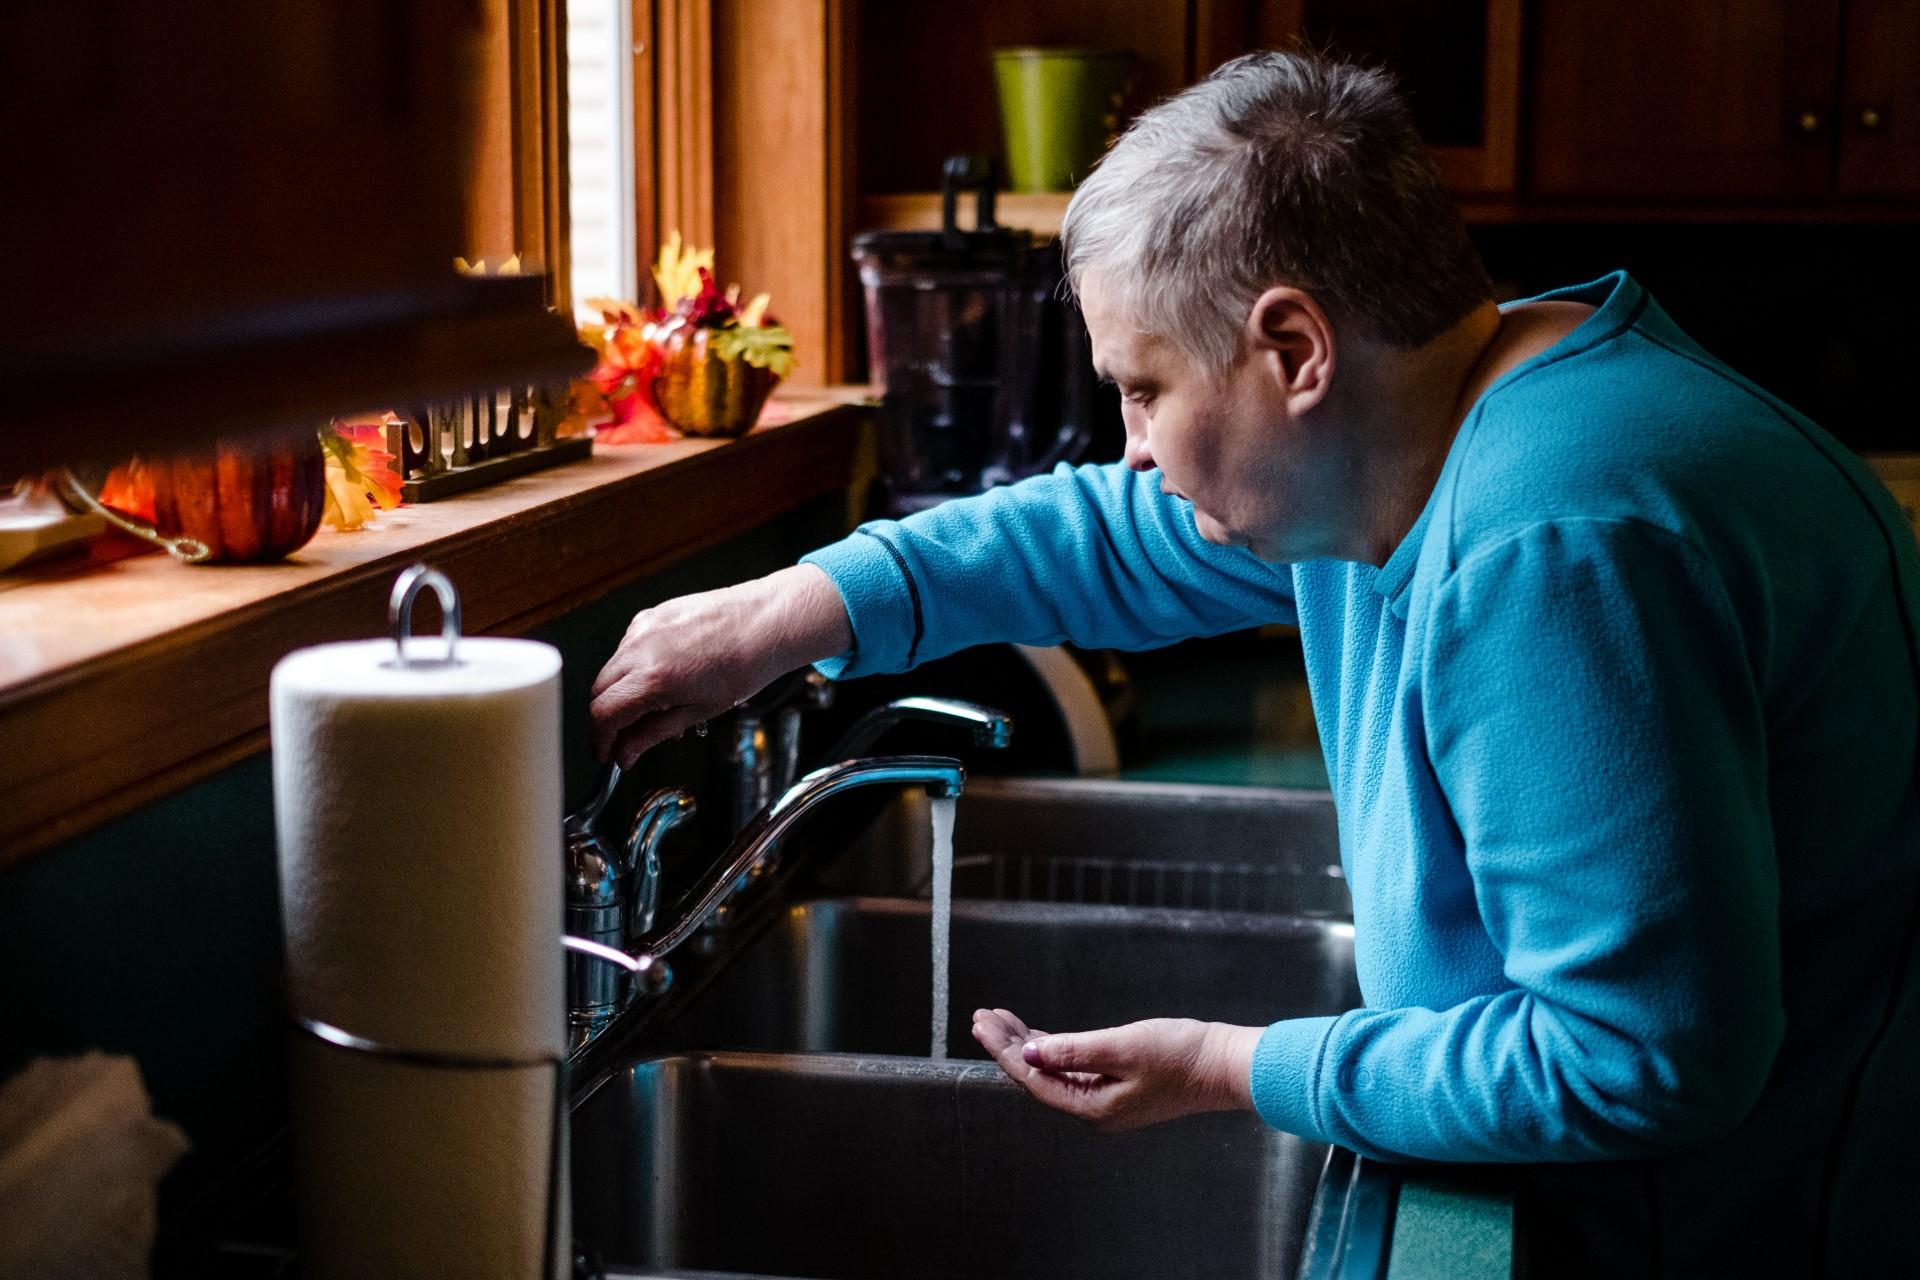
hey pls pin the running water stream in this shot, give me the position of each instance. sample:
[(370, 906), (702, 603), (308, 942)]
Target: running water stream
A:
[(942, 917)]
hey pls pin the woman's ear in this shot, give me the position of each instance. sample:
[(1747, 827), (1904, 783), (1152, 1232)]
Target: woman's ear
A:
[(1288, 331)]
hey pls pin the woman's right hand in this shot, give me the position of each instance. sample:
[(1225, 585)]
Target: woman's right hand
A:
[(695, 657)]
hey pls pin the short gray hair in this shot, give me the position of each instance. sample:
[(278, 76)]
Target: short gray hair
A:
[(1278, 168)]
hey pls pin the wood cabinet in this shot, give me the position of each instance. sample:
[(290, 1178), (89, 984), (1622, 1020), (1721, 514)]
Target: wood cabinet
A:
[(1533, 108), (925, 82), (1877, 118), (1724, 100), (1536, 111), (226, 215), (924, 88), (1457, 61)]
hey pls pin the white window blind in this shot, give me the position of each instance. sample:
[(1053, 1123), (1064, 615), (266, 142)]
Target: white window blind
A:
[(600, 149)]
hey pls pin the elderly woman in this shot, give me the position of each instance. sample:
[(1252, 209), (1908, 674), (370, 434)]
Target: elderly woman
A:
[(1613, 660)]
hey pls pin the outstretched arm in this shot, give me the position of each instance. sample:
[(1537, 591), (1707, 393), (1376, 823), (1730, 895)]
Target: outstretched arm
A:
[(1099, 556), (694, 657), (1096, 556)]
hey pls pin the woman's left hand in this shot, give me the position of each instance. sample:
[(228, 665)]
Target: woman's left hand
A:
[(1126, 1077)]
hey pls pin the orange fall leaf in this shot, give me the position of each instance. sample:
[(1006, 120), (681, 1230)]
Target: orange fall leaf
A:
[(360, 474), (129, 490)]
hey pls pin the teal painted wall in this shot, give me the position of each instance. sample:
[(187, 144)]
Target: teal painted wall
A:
[(158, 935)]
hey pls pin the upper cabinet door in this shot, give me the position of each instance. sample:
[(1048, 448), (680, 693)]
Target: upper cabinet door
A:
[(1879, 124), (1457, 62), (1697, 100)]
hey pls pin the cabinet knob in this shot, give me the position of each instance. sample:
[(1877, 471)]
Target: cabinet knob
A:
[(1870, 118), (1808, 122)]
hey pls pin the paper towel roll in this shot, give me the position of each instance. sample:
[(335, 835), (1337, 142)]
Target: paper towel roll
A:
[(418, 811), (419, 815), (410, 1172)]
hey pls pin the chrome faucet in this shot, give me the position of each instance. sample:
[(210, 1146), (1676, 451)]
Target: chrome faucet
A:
[(763, 751), (750, 855), (747, 857), (612, 895), (991, 728)]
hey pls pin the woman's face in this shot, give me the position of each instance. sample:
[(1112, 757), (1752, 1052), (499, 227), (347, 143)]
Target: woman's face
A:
[(1225, 441)]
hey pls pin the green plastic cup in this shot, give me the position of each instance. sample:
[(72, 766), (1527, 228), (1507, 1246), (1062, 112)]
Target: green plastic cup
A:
[(1059, 108)]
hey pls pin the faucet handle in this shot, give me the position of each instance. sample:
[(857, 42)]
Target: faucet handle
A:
[(583, 818), (659, 813), (805, 688), (612, 893)]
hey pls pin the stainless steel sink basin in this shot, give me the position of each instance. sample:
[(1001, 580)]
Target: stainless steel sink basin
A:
[(853, 975), (770, 1137), (1124, 843), (848, 1167)]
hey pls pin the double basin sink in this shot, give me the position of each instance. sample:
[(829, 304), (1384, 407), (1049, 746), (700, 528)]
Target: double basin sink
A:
[(787, 1119)]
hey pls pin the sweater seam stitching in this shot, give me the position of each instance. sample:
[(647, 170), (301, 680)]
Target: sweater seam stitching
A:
[(913, 592), (1626, 325), (1315, 1103), (1721, 604), (1681, 540)]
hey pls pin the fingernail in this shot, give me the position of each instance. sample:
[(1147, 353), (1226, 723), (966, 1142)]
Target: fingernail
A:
[(1031, 1052)]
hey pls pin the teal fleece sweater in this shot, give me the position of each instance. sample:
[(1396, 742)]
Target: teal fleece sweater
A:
[(1622, 739)]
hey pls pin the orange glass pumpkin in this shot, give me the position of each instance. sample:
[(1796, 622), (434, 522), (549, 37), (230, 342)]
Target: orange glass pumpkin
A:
[(247, 500)]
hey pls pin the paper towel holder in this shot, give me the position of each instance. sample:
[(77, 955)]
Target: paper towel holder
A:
[(406, 589), (436, 1060)]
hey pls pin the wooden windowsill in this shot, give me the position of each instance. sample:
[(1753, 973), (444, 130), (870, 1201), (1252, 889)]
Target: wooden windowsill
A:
[(122, 682)]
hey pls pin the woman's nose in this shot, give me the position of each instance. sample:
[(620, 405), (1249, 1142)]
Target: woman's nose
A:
[(1137, 455)]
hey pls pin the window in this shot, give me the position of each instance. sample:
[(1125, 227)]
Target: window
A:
[(600, 151)]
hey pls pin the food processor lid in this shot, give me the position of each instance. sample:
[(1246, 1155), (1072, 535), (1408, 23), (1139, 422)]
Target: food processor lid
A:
[(988, 242), (945, 247)]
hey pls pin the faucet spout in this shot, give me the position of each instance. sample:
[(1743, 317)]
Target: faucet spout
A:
[(990, 727), (940, 775)]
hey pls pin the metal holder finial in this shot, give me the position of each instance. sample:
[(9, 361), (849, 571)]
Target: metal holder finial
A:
[(406, 589)]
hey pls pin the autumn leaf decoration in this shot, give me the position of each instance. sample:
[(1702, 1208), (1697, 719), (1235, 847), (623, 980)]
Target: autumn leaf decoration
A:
[(616, 397), (360, 474), (616, 400), (587, 408), (762, 346), (677, 272), (128, 489)]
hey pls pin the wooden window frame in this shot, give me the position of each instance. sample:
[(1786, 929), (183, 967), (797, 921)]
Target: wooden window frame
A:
[(741, 112), (519, 142)]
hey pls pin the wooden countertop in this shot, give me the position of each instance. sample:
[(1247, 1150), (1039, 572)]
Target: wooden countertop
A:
[(123, 681)]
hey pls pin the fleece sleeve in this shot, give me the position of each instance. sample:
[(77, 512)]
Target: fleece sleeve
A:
[(1594, 722), (1097, 556)]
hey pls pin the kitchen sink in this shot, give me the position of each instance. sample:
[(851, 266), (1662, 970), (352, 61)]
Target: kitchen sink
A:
[(1117, 843), (845, 1166), (853, 975), (784, 1117)]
